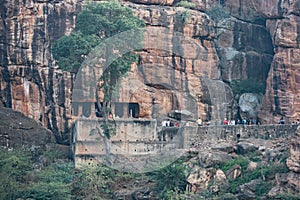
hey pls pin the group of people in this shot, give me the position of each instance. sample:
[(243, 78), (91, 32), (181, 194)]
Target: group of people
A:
[(242, 121), (245, 121), (170, 123), (297, 122)]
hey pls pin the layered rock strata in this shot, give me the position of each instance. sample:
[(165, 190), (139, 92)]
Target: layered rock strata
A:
[(237, 40), (30, 82)]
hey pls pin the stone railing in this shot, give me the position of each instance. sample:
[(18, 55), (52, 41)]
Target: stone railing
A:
[(193, 135)]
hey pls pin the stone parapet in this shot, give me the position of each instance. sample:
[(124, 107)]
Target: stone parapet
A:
[(194, 135), (140, 140)]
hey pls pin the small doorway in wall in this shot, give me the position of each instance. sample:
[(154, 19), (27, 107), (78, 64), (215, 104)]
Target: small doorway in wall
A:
[(86, 109), (133, 110), (75, 108), (119, 109)]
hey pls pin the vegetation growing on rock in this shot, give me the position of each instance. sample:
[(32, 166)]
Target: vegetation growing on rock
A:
[(25, 174), (186, 4), (95, 23), (218, 13), (247, 86)]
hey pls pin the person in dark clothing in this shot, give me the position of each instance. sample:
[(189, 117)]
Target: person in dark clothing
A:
[(281, 121)]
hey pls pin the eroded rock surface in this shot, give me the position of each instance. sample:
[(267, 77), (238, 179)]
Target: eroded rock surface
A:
[(282, 97), (233, 40), (29, 80)]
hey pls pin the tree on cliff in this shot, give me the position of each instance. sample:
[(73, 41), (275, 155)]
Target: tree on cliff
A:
[(95, 23)]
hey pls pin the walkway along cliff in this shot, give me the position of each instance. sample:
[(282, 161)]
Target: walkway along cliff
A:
[(140, 145)]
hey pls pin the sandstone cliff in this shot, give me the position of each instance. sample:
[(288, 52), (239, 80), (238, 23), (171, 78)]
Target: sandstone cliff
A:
[(282, 95), (227, 46), (29, 80), (237, 40)]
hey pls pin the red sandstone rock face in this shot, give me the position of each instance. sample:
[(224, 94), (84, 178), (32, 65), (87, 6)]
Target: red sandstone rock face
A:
[(238, 46), (154, 2), (172, 63), (242, 49), (282, 94), (267, 8), (29, 80)]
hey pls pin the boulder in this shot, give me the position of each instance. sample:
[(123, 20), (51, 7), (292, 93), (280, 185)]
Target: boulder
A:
[(261, 148), (293, 181), (249, 103), (209, 159), (135, 190), (247, 191), (223, 147), (245, 147), (293, 162), (281, 179), (289, 182), (276, 153), (275, 191), (293, 165), (251, 166), (281, 185), (199, 179), (18, 132), (220, 182), (234, 172)]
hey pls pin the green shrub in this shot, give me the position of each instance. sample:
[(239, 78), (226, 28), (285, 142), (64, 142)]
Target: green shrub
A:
[(174, 195), (20, 180), (218, 13), (52, 182), (15, 165), (91, 182), (265, 172), (247, 86), (48, 191), (172, 177), (242, 161), (70, 51), (186, 4), (287, 196), (253, 156), (53, 153), (263, 188), (270, 170), (182, 16), (94, 23)]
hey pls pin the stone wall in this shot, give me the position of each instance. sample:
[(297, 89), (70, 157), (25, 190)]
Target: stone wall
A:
[(194, 135), (136, 137), (139, 140)]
